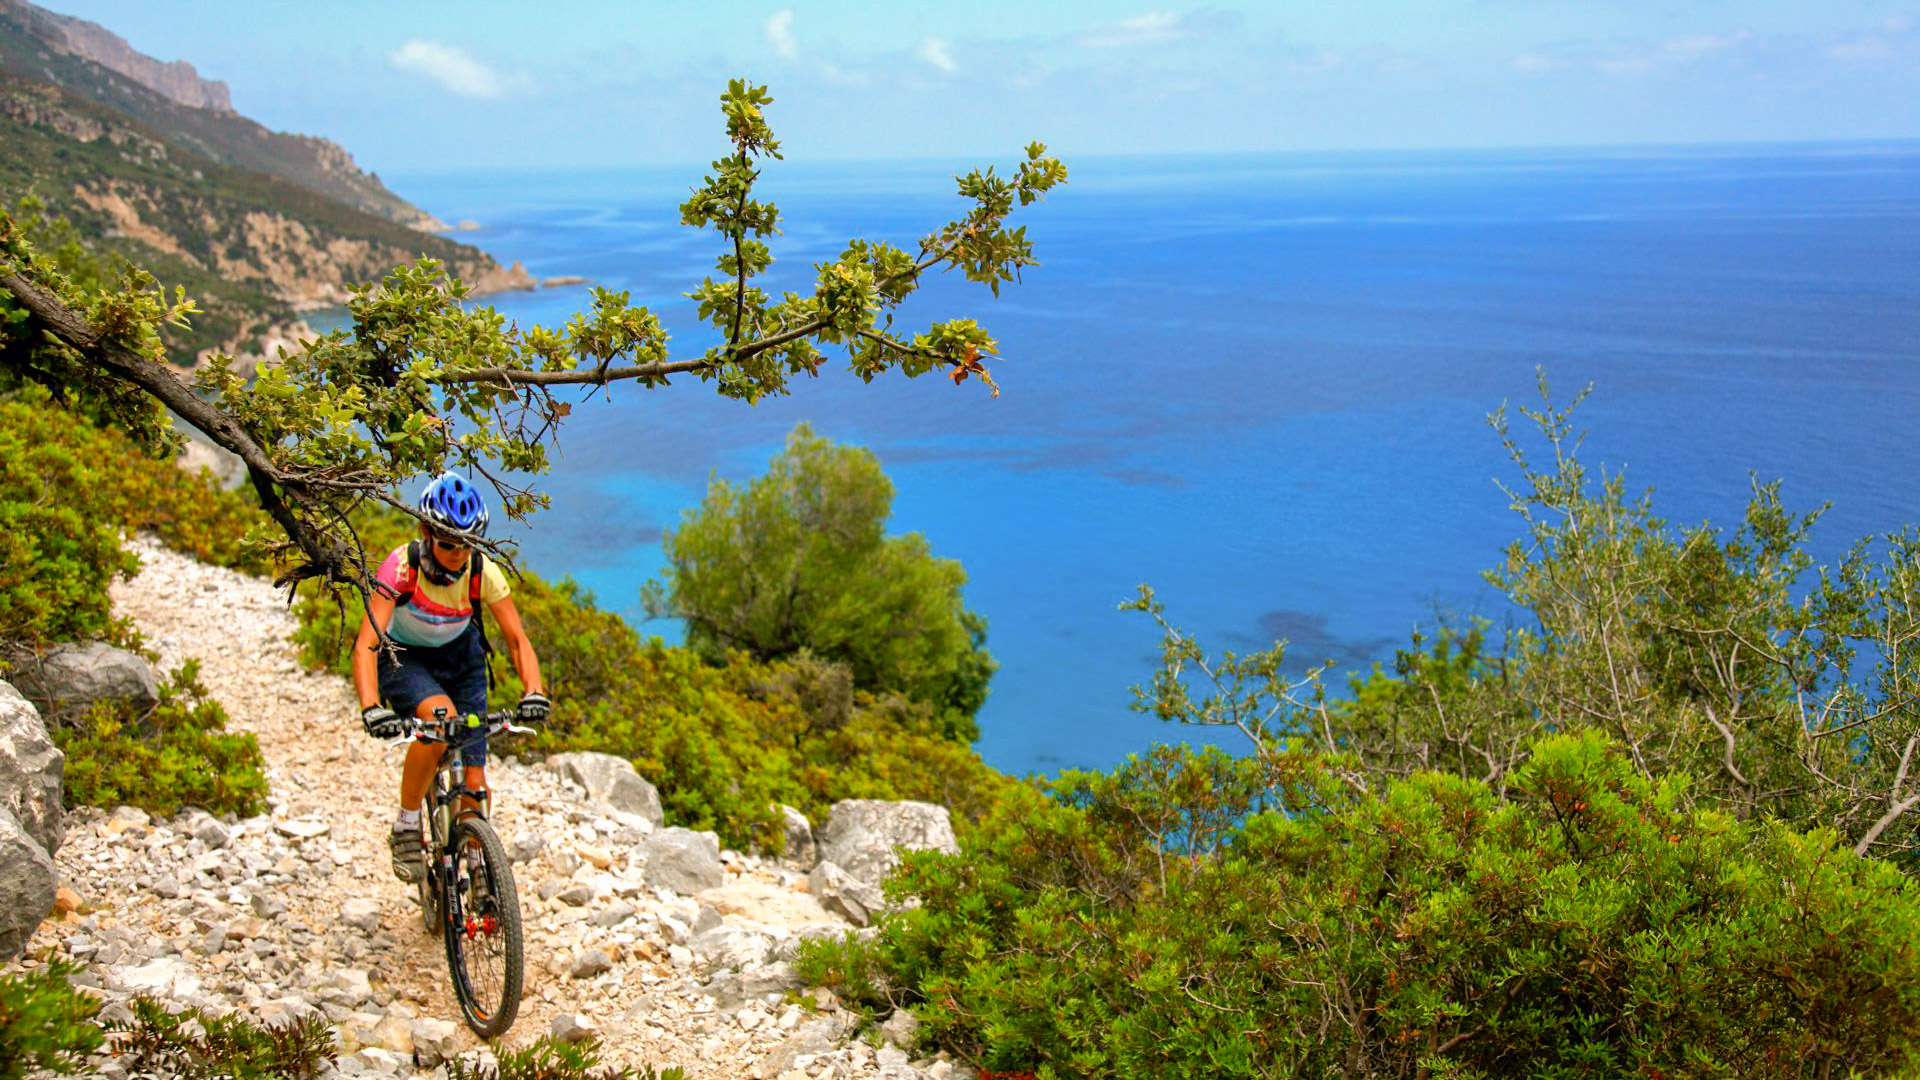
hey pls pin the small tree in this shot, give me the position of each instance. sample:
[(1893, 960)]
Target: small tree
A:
[(799, 559)]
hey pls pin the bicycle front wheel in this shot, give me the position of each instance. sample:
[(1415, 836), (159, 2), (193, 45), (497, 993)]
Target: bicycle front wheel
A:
[(484, 949)]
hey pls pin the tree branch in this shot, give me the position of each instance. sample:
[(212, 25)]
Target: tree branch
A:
[(739, 256), (1895, 811), (598, 376), (324, 556), (602, 374), (74, 331)]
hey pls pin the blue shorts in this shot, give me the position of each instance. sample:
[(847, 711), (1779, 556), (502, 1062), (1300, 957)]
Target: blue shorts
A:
[(457, 669)]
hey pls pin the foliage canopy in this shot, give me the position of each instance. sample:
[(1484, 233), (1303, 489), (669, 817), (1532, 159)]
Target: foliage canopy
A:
[(1196, 915), (423, 381), (798, 560)]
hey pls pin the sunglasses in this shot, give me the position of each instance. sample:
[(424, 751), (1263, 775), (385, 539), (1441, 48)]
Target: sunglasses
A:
[(447, 545)]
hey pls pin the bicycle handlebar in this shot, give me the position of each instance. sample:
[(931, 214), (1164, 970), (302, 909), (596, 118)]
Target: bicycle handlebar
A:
[(457, 730)]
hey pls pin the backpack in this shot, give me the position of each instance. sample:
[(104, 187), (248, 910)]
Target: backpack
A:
[(476, 576)]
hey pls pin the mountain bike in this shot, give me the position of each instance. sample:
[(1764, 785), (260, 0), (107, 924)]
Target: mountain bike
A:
[(467, 894)]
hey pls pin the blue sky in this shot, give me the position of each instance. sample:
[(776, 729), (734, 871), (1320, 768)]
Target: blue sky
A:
[(411, 85)]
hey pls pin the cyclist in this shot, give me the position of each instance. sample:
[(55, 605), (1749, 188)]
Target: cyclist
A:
[(426, 596)]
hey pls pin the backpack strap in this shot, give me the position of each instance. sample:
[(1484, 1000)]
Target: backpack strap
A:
[(405, 595), (476, 576)]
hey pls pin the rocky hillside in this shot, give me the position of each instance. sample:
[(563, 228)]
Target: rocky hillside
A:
[(673, 951), (258, 226), (177, 80), (90, 62)]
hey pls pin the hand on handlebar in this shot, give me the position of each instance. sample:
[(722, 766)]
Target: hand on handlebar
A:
[(534, 707), (382, 722)]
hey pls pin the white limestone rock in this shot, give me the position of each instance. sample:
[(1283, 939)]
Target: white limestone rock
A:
[(610, 781), (26, 885), (865, 836), (842, 894), (31, 768), (434, 1041), (683, 861), (573, 1027)]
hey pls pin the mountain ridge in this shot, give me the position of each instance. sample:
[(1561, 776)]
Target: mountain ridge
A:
[(257, 226), (176, 79), (99, 66)]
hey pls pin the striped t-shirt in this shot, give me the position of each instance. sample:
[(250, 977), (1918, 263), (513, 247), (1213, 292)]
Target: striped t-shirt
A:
[(437, 613)]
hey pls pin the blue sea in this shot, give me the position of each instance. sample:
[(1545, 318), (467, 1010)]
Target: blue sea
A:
[(1262, 383)]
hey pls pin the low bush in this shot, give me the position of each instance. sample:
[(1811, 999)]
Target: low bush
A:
[(59, 541), (67, 491), (48, 1028), (546, 1058), (176, 754), (45, 1024), (196, 1045), (1194, 916)]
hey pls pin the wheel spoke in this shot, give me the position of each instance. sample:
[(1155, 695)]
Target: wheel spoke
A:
[(484, 946)]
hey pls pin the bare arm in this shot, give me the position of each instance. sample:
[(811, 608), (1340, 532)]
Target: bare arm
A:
[(519, 647), (366, 675)]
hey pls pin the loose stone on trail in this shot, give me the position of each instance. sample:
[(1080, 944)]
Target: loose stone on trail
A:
[(668, 949)]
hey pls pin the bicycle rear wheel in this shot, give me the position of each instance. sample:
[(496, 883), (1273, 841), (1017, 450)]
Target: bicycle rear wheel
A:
[(484, 949)]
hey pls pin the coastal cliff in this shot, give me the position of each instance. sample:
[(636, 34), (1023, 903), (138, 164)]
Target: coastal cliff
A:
[(88, 62), (177, 80), (148, 161)]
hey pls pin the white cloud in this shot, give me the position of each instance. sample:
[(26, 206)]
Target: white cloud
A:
[(1313, 61), (934, 51), (1625, 58), (1152, 28), (451, 67), (780, 33), (1889, 41), (1692, 45)]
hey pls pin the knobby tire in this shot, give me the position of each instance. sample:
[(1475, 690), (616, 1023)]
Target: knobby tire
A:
[(484, 948)]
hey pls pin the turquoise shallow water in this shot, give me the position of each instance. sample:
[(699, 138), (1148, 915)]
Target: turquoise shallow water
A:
[(1261, 383)]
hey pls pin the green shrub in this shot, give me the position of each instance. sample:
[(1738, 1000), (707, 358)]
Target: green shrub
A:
[(67, 491), (1189, 916), (549, 1059), (726, 744), (196, 1045), (45, 1024), (798, 560), (176, 754), (1783, 687), (59, 540)]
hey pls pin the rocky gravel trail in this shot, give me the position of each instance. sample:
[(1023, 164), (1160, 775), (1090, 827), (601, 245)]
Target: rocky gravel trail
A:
[(629, 934)]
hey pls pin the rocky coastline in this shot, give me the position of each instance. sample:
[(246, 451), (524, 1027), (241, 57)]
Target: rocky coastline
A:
[(669, 949)]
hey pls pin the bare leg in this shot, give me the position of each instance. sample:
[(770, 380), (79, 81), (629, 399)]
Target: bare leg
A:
[(424, 757), (477, 780)]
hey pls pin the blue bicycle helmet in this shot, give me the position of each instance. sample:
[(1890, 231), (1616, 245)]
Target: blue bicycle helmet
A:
[(455, 505)]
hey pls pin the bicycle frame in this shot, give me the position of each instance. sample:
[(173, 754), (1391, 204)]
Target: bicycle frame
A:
[(456, 812)]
